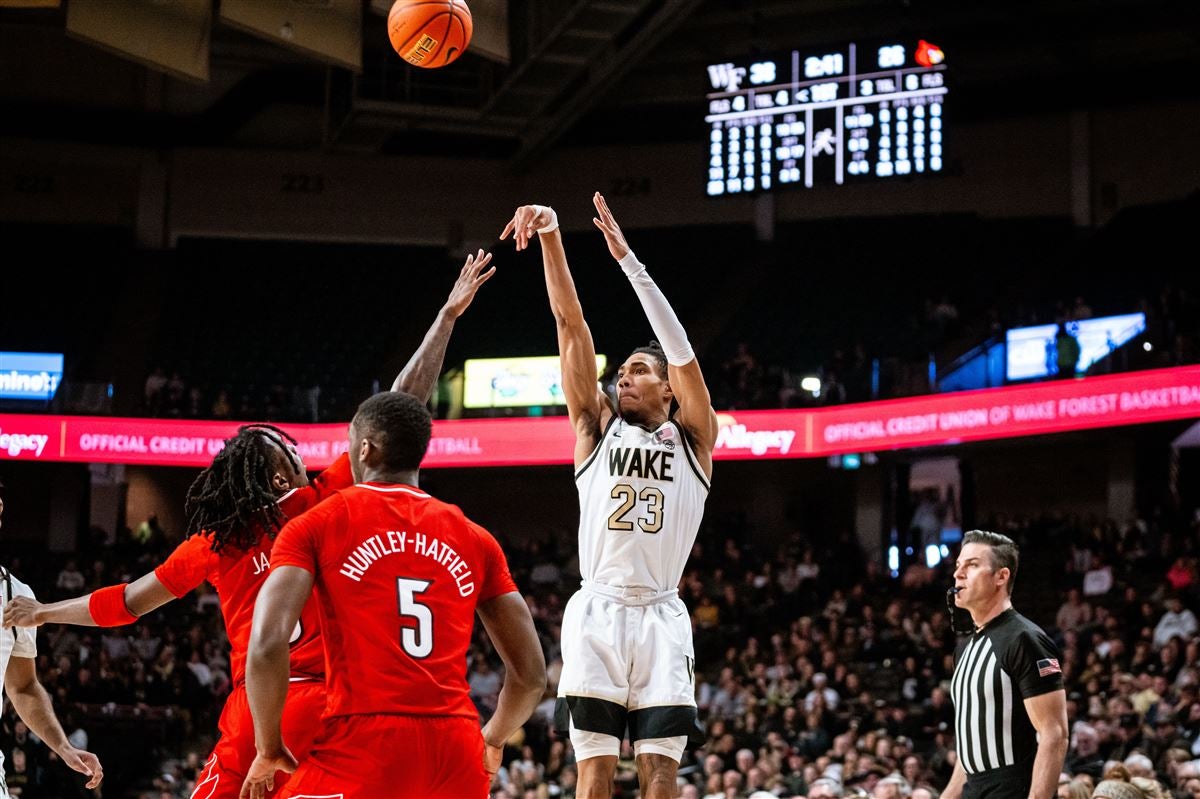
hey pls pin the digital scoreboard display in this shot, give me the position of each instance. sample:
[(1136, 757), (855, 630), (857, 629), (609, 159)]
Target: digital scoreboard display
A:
[(835, 116)]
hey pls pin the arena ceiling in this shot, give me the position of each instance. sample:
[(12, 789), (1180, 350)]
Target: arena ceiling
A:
[(580, 71)]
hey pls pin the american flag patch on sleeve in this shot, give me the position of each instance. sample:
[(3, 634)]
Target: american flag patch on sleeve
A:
[(1048, 666)]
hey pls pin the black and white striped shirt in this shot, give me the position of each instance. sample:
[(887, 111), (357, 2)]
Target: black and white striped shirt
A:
[(999, 667)]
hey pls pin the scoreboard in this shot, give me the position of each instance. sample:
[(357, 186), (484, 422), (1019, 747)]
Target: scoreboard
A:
[(838, 115)]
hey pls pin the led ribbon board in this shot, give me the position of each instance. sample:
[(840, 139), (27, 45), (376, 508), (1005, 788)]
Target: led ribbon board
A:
[(1156, 395)]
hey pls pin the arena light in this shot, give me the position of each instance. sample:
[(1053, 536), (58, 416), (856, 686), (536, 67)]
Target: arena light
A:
[(812, 384)]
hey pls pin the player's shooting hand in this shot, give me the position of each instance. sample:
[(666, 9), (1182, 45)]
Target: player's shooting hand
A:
[(21, 611), (261, 776), (526, 222), (469, 280), (609, 227), (85, 763), (493, 756)]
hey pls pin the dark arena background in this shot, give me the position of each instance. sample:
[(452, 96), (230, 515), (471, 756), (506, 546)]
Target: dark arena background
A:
[(937, 260)]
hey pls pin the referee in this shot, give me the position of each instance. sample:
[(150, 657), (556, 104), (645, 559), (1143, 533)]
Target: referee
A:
[(1010, 709)]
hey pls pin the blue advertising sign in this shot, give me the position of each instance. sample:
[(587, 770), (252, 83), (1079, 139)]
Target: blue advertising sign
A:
[(30, 375)]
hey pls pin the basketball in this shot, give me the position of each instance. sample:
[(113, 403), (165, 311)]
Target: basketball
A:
[(429, 33)]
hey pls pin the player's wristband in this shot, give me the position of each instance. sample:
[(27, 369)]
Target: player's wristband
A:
[(552, 225), (107, 606)]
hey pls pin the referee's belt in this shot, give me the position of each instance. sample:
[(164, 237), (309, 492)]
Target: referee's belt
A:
[(631, 595)]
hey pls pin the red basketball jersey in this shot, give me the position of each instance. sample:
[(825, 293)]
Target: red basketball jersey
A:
[(238, 575), (398, 575)]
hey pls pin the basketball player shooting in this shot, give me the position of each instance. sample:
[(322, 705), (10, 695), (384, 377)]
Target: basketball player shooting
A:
[(643, 477)]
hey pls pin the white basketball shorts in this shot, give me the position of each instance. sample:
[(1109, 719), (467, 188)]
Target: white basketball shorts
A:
[(628, 664)]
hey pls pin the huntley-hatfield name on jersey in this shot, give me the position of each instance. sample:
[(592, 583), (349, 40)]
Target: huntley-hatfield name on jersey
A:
[(392, 542)]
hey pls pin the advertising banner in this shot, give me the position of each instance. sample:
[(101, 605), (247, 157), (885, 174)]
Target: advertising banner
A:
[(1061, 406)]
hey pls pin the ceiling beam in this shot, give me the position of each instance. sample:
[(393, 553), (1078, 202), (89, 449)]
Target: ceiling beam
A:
[(541, 134), (408, 116)]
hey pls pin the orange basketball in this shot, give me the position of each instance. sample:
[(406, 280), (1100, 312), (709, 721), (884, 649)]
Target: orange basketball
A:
[(429, 33)]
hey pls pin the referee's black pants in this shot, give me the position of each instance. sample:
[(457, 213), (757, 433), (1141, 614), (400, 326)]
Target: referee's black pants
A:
[(1006, 782)]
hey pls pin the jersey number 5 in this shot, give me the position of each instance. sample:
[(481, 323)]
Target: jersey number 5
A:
[(628, 496), (416, 641)]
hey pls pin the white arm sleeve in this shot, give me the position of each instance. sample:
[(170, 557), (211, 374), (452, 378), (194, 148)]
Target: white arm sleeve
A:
[(663, 320)]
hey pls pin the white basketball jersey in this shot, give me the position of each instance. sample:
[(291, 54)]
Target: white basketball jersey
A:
[(641, 498), (14, 641)]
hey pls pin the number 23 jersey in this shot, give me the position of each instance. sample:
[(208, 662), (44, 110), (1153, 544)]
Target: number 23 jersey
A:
[(641, 499)]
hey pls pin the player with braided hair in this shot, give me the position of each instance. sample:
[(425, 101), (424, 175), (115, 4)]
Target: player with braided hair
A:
[(233, 499), (234, 510)]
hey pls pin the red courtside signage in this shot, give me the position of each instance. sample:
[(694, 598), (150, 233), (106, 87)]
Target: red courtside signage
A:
[(1057, 407), (161, 442), (1061, 406)]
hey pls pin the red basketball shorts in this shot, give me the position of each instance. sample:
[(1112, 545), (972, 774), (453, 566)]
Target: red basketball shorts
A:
[(225, 770), (393, 757)]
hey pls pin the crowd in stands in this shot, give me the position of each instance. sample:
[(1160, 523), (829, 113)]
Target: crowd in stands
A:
[(812, 680), (178, 398), (901, 366), (144, 698), (739, 378), (837, 299), (833, 682)]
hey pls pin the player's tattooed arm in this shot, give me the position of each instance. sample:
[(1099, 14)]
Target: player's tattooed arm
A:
[(420, 374)]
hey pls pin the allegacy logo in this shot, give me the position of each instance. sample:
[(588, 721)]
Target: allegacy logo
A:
[(16, 443)]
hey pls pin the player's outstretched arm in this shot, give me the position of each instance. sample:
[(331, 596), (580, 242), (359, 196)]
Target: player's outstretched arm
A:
[(510, 626), (276, 611), (696, 413), (588, 408), (32, 704), (105, 607), (420, 374)]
